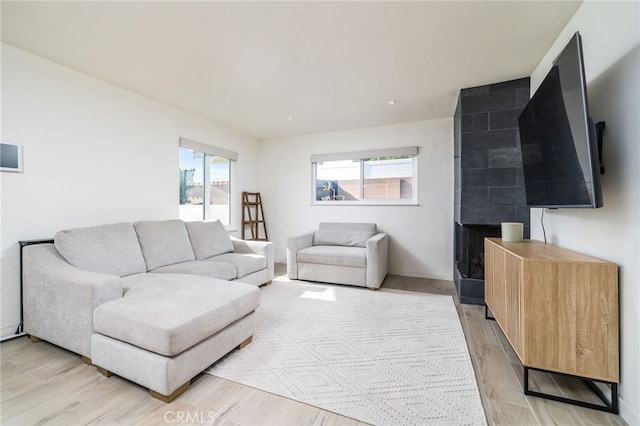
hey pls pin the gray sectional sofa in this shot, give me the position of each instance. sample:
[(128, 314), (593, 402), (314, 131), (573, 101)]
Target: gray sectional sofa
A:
[(155, 302), (340, 253)]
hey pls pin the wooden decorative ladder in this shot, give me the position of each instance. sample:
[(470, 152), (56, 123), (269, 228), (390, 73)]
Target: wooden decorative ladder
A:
[(253, 216)]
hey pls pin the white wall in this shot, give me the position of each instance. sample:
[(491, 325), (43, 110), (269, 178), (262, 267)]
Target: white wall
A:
[(93, 154), (611, 45), (421, 237)]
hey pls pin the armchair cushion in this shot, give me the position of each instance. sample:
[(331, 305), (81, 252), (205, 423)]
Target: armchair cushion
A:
[(322, 237), (347, 226), (209, 239), (107, 249), (334, 255)]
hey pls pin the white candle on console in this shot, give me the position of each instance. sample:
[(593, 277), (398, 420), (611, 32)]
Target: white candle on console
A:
[(512, 232)]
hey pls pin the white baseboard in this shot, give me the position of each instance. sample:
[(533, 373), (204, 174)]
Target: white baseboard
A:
[(443, 277), (628, 414), (11, 336), (9, 330)]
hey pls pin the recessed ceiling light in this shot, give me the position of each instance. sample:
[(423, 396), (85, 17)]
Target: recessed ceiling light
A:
[(289, 118), (392, 102)]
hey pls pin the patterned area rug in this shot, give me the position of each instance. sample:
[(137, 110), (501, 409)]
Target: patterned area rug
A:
[(383, 357)]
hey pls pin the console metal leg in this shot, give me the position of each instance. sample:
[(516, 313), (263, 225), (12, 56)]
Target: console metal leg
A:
[(610, 406), (486, 313)]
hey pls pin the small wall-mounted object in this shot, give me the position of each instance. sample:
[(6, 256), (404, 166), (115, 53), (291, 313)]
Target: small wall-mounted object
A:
[(10, 157), (600, 125)]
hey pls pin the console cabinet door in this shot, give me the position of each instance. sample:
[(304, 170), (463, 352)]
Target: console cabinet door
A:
[(557, 308), (503, 291), (572, 318), (513, 326), (494, 281)]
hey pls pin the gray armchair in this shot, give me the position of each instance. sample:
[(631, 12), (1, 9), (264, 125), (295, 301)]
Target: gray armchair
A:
[(341, 253)]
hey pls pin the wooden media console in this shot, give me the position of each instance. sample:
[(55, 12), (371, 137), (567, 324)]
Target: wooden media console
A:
[(559, 311)]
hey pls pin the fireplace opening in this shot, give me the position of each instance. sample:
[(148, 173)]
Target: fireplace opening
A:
[(470, 248)]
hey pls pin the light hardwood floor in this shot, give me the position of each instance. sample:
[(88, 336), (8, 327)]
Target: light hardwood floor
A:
[(41, 383)]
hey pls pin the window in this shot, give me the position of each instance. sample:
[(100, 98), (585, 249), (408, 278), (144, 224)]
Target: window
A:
[(205, 182), (368, 177)]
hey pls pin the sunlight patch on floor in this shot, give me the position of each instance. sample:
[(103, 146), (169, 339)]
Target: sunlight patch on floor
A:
[(328, 294)]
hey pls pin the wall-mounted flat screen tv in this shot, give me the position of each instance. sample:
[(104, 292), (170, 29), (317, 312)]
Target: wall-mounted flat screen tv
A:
[(559, 148)]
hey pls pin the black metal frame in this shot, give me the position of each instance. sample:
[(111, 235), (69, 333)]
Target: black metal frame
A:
[(23, 244), (600, 125), (486, 313), (609, 407)]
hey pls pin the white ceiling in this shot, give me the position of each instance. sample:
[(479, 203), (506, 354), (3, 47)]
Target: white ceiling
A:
[(329, 65)]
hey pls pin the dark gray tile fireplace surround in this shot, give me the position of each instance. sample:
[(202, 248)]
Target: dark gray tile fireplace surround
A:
[(488, 176)]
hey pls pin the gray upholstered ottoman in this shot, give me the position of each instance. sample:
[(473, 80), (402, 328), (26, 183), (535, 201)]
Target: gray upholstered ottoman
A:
[(167, 328)]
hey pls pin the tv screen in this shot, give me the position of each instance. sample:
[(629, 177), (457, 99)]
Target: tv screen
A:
[(557, 137)]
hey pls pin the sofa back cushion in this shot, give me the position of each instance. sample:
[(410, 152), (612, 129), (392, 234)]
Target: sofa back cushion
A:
[(208, 239), (344, 234), (164, 242), (108, 249)]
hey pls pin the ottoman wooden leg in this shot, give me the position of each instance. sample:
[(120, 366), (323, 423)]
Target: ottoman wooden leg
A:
[(35, 339), (174, 395), (106, 373), (245, 343)]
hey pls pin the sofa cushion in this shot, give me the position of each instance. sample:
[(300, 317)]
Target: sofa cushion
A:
[(211, 269), (334, 255), (108, 249), (168, 313), (244, 263), (164, 242), (323, 237), (208, 239)]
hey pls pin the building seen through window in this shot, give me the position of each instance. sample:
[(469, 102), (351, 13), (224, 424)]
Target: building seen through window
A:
[(372, 179)]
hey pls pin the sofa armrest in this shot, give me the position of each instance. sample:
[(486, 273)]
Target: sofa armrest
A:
[(263, 248), (377, 259), (295, 243), (59, 298)]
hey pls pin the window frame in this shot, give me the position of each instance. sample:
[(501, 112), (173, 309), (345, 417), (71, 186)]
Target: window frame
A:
[(208, 152), (363, 156)]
